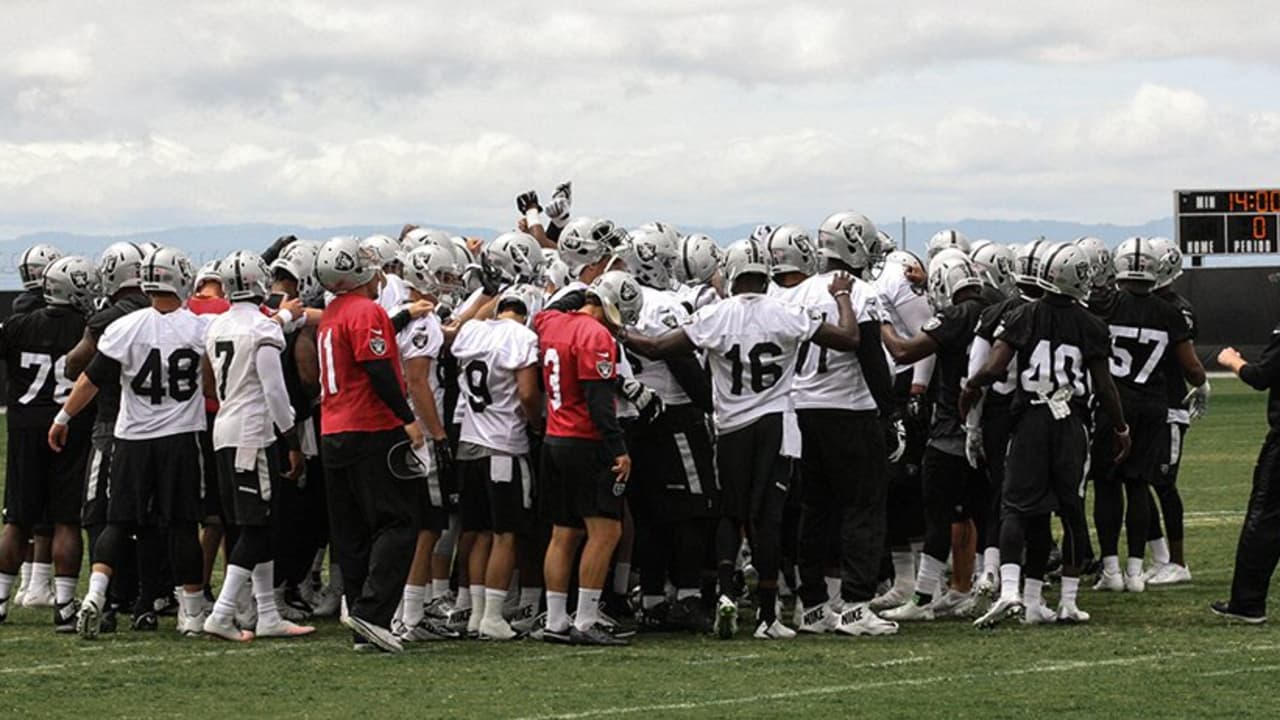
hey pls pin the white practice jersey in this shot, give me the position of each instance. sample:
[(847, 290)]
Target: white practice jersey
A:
[(661, 313), (829, 378), (232, 343), (160, 386), (751, 342), (697, 296), (394, 293), (489, 353), (423, 337), (908, 311)]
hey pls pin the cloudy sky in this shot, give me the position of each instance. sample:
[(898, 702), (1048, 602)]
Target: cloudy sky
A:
[(134, 115)]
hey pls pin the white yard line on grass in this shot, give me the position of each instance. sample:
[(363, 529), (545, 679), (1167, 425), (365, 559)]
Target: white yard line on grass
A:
[(128, 659), (1054, 667), (1238, 671)]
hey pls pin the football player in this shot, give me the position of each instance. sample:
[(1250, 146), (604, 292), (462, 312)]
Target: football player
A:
[(31, 267), (585, 463), (1143, 328), (368, 432), (245, 347), (155, 355), (838, 397), (1061, 352), (44, 486), (209, 299), (698, 271), (752, 342), (498, 361), (952, 490)]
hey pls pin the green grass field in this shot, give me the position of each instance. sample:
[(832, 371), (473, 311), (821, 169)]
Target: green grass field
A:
[(1160, 654)]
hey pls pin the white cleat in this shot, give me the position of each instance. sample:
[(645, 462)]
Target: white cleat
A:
[(1109, 582), (1001, 610), (909, 612), (225, 628), (459, 620), (1038, 615), (859, 619), (283, 629), (1152, 570), (375, 634), (1069, 614), (38, 597), (527, 626), (192, 625), (952, 604), (895, 597), (817, 620), (773, 631), (726, 617), (1134, 583), (1170, 574), (89, 619), (429, 630), (18, 597), (491, 629), (327, 602)]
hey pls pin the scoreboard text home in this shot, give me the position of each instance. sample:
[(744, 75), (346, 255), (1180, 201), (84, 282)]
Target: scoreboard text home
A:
[(1226, 222)]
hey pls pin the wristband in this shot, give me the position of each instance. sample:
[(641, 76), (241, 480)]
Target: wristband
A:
[(62, 418), (285, 316), (533, 216), (840, 293)]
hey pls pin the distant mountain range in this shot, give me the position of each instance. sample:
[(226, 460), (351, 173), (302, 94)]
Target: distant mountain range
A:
[(214, 241)]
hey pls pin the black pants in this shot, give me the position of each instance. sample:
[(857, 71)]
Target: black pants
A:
[(370, 520), (953, 491), (845, 468), (1259, 546)]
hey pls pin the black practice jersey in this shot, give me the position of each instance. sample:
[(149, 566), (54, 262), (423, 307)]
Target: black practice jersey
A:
[(1001, 393), (1054, 340), (953, 330), (1175, 386), (109, 396), (27, 301), (1144, 329), (1264, 374), (35, 347)]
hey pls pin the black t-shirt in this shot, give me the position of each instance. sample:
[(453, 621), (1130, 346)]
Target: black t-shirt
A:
[(953, 330), (1264, 374), (1144, 329), (989, 323), (1054, 340), (27, 301), (1175, 386), (109, 395), (299, 398), (35, 346)]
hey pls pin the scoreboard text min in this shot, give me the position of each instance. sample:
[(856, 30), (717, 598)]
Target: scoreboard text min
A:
[(1227, 222)]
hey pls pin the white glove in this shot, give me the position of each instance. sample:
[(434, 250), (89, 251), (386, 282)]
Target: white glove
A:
[(973, 445), (1197, 401), (644, 398), (897, 437), (561, 201)]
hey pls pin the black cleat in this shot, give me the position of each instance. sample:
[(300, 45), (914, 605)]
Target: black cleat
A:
[(597, 634), (145, 622), (1224, 609), (64, 617), (656, 618), (109, 620), (557, 637), (690, 615)]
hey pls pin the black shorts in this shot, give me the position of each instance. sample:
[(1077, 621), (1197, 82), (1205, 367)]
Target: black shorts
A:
[(577, 482), (1046, 463), (497, 494), (43, 486), (1148, 432), (246, 495), (97, 476), (1167, 473), (753, 474), (156, 482), (950, 477), (210, 475), (673, 472)]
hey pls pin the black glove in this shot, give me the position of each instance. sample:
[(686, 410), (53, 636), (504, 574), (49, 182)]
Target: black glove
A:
[(279, 245), (445, 470), (491, 280), (645, 399), (527, 201), (915, 407)]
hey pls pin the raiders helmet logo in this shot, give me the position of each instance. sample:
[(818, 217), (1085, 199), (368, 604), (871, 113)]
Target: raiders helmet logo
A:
[(605, 369), (344, 262), (627, 292), (932, 324), (378, 345), (420, 340), (670, 321), (109, 264), (79, 278), (815, 315)]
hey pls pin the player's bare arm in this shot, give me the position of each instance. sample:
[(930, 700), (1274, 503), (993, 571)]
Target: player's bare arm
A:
[(307, 361), (995, 368), (908, 350), (530, 396), (80, 355), (844, 335), (663, 346), (1104, 387), (81, 395)]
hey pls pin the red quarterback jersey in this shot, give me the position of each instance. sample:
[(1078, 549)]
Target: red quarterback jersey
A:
[(574, 348), (202, 305), (354, 329)]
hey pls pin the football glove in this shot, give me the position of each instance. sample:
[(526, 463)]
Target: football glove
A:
[(645, 399), (1197, 401), (527, 201), (561, 201), (443, 455), (973, 445), (895, 436), (491, 279)]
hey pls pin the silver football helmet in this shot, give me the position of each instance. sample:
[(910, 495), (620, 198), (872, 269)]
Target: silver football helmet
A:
[(1102, 269), (557, 273), (298, 261), (1170, 261), (33, 263), (948, 239), (791, 250), (516, 256), (1065, 271), (245, 277), (120, 267), (525, 299), (208, 271), (73, 281), (699, 259), (620, 296), (386, 250), (1137, 260), (949, 273), (994, 262), (167, 270), (1026, 263), (342, 265), (433, 270), (850, 238), (653, 253), (418, 237), (744, 257), (586, 241)]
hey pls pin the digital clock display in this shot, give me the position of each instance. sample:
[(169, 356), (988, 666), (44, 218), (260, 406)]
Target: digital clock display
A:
[(1227, 222)]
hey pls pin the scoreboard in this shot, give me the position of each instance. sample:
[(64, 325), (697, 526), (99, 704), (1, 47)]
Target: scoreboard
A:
[(1227, 222)]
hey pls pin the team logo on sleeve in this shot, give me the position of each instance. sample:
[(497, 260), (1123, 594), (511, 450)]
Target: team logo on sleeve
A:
[(604, 366), (931, 324), (419, 340), (815, 315), (377, 343), (670, 321)]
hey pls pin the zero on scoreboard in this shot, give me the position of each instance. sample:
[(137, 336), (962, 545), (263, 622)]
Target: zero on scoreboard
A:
[(1227, 222)]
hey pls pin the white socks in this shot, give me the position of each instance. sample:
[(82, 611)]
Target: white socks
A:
[(225, 606), (1032, 592), (588, 608), (557, 611), (98, 583), (904, 569), (1159, 550), (192, 602), (1070, 588), (1134, 566), (64, 589), (833, 587), (6, 584), (41, 574), (264, 592), (414, 597), (439, 588), (477, 607), (1111, 564), (494, 598), (1010, 578), (929, 580), (991, 561), (24, 572)]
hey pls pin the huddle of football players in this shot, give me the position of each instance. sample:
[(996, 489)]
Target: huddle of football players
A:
[(577, 432)]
